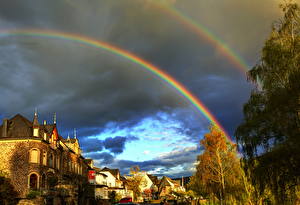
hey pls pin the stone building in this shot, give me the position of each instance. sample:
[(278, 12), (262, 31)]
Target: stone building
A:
[(36, 157)]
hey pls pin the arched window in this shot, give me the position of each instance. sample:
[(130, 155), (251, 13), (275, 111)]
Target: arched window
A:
[(43, 183), (45, 158), (50, 160), (34, 155), (33, 181)]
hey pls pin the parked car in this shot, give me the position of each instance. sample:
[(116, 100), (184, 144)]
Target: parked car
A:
[(129, 203), (125, 200)]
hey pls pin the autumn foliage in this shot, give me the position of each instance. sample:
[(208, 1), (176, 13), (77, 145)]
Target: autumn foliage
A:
[(134, 182), (218, 173)]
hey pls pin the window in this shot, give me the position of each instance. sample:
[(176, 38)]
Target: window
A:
[(35, 132), (45, 158), (34, 156), (58, 162), (33, 181), (50, 160)]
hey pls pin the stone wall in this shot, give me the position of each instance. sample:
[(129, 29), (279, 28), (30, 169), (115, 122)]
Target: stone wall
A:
[(14, 160)]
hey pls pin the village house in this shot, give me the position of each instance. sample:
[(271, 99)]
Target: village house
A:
[(108, 180), (36, 157), (167, 186)]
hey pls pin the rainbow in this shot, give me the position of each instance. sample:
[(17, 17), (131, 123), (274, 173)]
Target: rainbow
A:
[(206, 34), (125, 54)]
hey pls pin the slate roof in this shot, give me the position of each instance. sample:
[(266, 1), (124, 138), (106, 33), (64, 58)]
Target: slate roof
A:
[(20, 127)]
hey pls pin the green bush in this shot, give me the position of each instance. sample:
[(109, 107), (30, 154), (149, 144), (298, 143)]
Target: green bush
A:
[(33, 194)]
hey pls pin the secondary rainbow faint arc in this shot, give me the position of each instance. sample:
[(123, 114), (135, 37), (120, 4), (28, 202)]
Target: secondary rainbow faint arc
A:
[(206, 34), (125, 54)]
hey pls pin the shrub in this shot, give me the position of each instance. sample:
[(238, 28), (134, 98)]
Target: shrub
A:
[(33, 194)]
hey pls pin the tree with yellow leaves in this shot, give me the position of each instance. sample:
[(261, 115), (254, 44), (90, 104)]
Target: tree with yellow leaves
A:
[(218, 174)]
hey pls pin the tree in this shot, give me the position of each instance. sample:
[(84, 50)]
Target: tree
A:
[(135, 181), (7, 191), (218, 173), (114, 197), (269, 136)]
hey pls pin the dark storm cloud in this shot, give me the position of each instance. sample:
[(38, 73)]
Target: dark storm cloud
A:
[(91, 144), (17, 11), (74, 80), (115, 145), (90, 88), (103, 157)]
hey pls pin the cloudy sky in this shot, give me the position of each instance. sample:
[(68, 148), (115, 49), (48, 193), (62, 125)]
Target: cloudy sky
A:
[(125, 115)]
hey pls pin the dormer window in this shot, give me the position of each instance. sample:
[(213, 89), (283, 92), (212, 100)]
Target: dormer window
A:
[(35, 132)]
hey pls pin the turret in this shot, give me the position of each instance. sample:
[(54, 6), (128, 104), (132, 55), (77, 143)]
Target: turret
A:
[(36, 125)]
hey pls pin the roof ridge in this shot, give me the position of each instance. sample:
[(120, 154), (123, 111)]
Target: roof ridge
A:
[(24, 119)]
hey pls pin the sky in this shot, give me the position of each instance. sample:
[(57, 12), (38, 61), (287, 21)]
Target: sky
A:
[(124, 115)]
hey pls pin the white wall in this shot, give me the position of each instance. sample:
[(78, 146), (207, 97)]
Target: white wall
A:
[(111, 180)]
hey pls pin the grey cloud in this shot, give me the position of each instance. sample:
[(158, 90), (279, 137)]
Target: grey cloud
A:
[(115, 145), (89, 88), (184, 157), (103, 157), (91, 144)]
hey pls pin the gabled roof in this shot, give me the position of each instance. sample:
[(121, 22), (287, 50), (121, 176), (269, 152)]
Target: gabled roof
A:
[(18, 126), (154, 179), (166, 181), (114, 172)]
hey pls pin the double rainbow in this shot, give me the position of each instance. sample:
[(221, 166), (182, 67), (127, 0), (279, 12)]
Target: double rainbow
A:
[(205, 34), (125, 54)]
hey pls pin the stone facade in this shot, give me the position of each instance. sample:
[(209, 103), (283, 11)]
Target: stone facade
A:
[(41, 160)]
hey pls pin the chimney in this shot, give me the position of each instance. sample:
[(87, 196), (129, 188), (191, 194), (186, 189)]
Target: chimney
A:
[(4, 128)]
